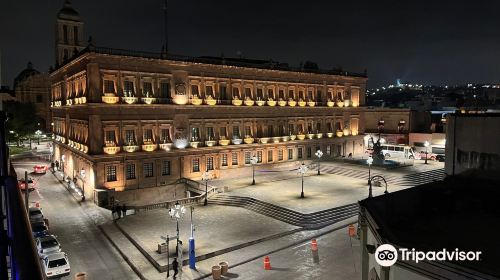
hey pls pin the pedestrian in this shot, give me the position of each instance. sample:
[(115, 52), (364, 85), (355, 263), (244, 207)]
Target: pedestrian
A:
[(175, 267), (124, 210), (119, 211), (113, 212)]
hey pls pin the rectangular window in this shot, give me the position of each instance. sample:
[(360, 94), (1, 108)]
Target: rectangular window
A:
[(130, 137), (318, 96), (299, 153), (260, 95), (234, 157), (165, 90), (290, 93), (281, 94), (165, 170), (196, 165), (318, 127), (259, 156), (270, 93), (236, 92), (165, 135), (128, 88), (290, 154), (236, 132), (280, 155), (209, 91), (223, 133), (310, 95), (109, 86), (110, 137), (195, 134), (224, 159), (210, 133), (309, 152), (148, 135), (248, 93), (270, 131), (270, 156), (248, 131), (130, 174), (248, 156), (148, 169), (291, 129), (210, 163), (194, 90), (110, 173), (147, 89)]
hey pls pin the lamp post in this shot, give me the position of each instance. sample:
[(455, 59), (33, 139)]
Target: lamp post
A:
[(82, 176), (192, 255), (38, 133), (253, 161), (369, 161), (176, 213), (426, 144), (302, 170), (318, 154), (205, 177)]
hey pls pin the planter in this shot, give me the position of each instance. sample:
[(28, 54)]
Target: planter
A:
[(148, 100), (282, 103), (237, 102), (311, 103), (210, 143), (248, 140), (302, 103), (130, 148), (249, 102), (211, 101), (260, 102), (194, 144), (330, 134), (310, 135), (285, 138), (339, 133), (340, 104), (130, 100), (319, 135), (346, 132), (292, 103), (196, 101), (148, 147), (271, 103), (264, 140), (166, 146), (276, 139), (301, 136), (330, 103), (110, 99), (224, 142), (237, 141), (293, 137)]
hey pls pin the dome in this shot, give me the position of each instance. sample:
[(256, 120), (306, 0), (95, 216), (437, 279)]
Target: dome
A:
[(23, 75), (68, 13)]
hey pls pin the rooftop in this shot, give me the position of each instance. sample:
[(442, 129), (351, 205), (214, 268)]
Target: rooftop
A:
[(460, 212)]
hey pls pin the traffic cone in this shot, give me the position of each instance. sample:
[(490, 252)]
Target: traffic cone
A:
[(267, 263), (314, 245)]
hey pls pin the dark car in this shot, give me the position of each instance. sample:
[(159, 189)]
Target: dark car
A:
[(440, 158), (39, 229)]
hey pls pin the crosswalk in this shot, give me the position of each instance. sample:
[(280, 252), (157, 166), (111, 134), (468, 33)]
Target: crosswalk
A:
[(407, 180)]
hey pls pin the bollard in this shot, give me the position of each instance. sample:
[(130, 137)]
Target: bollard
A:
[(352, 231), (314, 245), (267, 263)]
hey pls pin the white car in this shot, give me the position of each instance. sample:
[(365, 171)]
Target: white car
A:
[(56, 265), (46, 245), (35, 214)]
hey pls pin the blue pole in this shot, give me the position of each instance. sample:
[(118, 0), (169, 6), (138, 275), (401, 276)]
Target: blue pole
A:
[(192, 256)]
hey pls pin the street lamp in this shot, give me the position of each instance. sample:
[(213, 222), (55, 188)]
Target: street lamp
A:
[(319, 154), (205, 176), (82, 176), (176, 213), (253, 161), (369, 161), (426, 144), (38, 133), (302, 170)]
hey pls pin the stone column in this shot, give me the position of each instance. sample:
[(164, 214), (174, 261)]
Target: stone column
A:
[(95, 142), (94, 86)]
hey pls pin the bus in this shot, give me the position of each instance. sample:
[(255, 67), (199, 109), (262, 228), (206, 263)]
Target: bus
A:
[(397, 151)]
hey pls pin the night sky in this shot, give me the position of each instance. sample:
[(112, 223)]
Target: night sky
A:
[(417, 41)]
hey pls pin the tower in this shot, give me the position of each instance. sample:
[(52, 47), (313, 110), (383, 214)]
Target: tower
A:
[(69, 33)]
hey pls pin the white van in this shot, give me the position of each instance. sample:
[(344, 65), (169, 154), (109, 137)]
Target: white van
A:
[(397, 151)]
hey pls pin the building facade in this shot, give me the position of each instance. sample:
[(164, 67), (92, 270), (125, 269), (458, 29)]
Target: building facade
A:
[(137, 121)]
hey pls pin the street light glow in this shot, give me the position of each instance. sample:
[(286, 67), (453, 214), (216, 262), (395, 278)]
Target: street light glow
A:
[(369, 160)]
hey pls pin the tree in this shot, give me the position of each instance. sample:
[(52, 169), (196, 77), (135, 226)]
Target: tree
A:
[(22, 119)]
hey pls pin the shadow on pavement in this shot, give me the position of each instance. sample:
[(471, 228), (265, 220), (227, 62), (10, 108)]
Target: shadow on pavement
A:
[(230, 275), (280, 269)]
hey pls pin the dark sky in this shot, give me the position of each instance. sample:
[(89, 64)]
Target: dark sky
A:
[(429, 42)]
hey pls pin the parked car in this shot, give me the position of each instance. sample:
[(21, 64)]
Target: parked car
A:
[(46, 245), (440, 158), (422, 155), (56, 265), (22, 185), (39, 229), (35, 214), (40, 169)]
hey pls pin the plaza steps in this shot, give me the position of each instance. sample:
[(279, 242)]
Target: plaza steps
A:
[(422, 177), (310, 220), (358, 174)]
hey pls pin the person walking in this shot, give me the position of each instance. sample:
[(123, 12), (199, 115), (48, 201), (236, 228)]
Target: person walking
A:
[(119, 211), (175, 267), (124, 210), (113, 212)]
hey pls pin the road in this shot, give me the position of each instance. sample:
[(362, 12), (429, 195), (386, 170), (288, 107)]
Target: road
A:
[(75, 225)]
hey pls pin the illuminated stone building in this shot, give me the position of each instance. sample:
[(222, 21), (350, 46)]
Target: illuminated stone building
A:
[(135, 121)]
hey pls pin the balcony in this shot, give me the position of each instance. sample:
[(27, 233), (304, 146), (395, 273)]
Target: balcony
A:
[(311, 103), (293, 137), (249, 102), (110, 98), (319, 135), (340, 103), (148, 100), (330, 103), (210, 143), (130, 148), (237, 141), (196, 101), (260, 102), (237, 102), (330, 134), (111, 150), (264, 140), (346, 132), (271, 102), (339, 133), (301, 136), (210, 101), (130, 99), (285, 138), (347, 103), (282, 103), (194, 144), (166, 146), (310, 135), (149, 147), (276, 139), (292, 103), (354, 132), (248, 140), (69, 102), (302, 103), (224, 142)]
